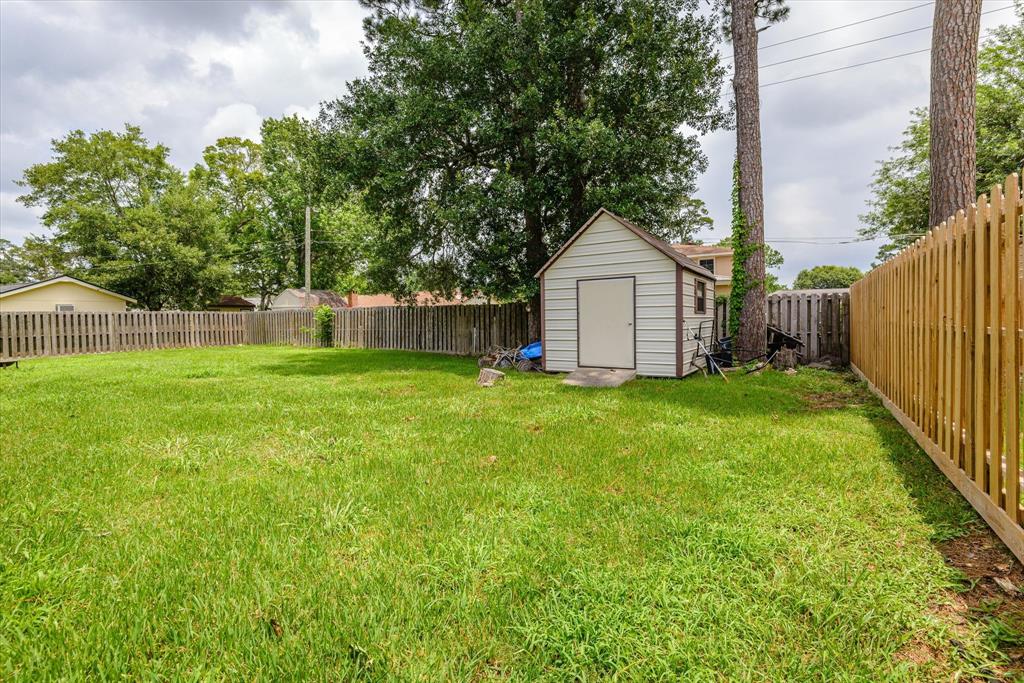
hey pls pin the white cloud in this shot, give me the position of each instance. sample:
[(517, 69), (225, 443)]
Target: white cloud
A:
[(238, 120)]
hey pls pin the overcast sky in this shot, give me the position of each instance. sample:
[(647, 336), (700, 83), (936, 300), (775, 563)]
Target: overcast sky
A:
[(188, 73)]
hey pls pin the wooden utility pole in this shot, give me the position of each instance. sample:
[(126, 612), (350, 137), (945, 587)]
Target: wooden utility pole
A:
[(752, 337), (308, 276), (952, 141)]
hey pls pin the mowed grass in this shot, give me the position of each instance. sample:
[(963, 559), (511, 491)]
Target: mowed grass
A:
[(277, 513)]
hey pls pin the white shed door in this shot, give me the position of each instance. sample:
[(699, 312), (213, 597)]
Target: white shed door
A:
[(606, 311)]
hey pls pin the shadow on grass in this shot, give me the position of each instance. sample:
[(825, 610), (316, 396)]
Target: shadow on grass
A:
[(337, 362), (974, 553)]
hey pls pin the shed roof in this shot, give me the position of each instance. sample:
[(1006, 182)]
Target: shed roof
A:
[(18, 287), (229, 301), (661, 245)]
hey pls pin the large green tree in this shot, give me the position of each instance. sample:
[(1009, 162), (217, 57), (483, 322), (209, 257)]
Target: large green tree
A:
[(302, 169), (233, 177), (826, 277), (124, 217), (486, 133), (899, 206)]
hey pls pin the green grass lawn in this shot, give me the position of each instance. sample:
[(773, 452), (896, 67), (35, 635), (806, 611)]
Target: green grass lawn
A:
[(268, 513)]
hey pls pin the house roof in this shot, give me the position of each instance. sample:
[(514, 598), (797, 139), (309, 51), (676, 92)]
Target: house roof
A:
[(661, 245), (18, 287), (702, 250), (320, 297), (234, 302)]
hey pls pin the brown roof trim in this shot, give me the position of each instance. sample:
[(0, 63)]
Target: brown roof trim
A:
[(662, 246)]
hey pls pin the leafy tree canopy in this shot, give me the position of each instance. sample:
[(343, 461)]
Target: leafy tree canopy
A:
[(827, 277), (127, 219), (486, 133), (898, 209)]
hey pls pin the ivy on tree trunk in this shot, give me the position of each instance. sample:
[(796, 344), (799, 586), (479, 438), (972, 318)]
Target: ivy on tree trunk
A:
[(751, 338)]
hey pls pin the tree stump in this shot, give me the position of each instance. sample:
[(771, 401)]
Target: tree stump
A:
[(489, 377), (785, 359)]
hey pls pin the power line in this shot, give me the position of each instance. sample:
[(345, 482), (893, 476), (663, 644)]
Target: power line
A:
[(866, 42), (836, 28), (843, 68), (853, 66)]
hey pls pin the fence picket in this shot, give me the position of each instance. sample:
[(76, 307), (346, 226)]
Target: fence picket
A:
[(959, 296)]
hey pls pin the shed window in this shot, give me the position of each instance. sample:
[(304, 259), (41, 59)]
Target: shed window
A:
[(708, 264), (65, 308), (701, 302)]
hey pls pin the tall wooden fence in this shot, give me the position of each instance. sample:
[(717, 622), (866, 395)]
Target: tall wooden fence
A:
[(820, 318), (468, 329), (33, 334), (937, 332)]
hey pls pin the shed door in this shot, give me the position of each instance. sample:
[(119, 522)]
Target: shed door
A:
[(605, 329)]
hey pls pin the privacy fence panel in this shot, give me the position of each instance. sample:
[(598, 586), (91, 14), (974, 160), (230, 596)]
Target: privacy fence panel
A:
[(820, 318), (34, 334), (463, 329), (469, 329), (937, 332)]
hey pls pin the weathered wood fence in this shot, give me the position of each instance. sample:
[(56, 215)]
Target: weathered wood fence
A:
[(33, 334), (937, 332), (463, 329), (820, 318)]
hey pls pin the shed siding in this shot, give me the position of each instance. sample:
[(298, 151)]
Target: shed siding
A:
[(607, 249), (692, 319)]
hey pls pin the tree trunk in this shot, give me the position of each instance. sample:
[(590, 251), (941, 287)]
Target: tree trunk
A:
[(751, 339), (536, 255), (951, 110)]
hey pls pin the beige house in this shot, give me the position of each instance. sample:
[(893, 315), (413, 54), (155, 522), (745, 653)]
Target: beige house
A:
[(615, 296), (714, 258), (62, 294)]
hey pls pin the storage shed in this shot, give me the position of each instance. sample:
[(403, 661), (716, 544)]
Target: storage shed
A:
[(615, 296)]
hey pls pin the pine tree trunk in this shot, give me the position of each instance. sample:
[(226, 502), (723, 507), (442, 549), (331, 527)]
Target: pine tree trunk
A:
[(536, 255), (951, 110), (751, 340)]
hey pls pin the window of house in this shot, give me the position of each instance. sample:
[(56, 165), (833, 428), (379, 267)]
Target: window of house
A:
[(65, 308), (701, 303), (708, 264)]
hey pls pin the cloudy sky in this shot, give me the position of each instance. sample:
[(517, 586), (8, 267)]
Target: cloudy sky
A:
[(189, 73)]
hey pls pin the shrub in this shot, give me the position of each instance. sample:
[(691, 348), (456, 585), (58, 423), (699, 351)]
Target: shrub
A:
[(323, 319)]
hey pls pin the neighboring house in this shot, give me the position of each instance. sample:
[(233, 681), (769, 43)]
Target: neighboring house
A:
[(233, 303), (296, 298), (356, 300), (615, 296), (716, 259), (63, 294)]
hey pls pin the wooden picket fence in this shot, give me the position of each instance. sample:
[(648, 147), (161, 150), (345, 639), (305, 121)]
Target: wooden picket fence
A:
[(937, 333), (462, 329), (820, 318)]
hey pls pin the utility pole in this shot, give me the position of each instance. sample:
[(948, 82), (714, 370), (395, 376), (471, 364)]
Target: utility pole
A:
[(308, 278)]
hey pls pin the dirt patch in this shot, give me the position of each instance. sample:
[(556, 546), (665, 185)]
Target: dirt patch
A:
[(919, 653), (992, 594), (832, 400)]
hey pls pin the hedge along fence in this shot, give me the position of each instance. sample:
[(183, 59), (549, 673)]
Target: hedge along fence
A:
[(461, 329), (937, 334)]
